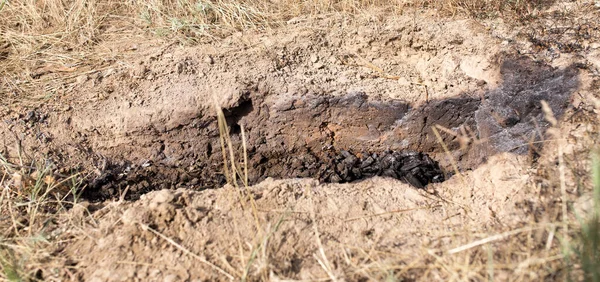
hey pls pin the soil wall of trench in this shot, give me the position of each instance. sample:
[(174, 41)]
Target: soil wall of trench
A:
[(305, 135), (153, 126)]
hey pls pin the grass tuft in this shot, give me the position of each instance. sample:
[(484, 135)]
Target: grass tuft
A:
[(31, 203), (587, 239)]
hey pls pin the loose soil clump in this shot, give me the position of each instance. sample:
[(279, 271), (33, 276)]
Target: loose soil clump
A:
[(416, 169)]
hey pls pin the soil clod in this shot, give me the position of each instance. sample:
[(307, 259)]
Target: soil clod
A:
[(414, 168)]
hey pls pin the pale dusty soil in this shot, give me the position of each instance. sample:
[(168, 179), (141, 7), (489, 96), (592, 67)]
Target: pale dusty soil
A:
[(145, 121)]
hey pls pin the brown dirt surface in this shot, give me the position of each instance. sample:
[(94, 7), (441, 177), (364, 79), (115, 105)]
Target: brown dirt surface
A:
[(141, 130)]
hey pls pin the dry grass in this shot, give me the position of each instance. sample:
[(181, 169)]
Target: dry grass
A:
[(518, 10), (47, 44), (32, 202)]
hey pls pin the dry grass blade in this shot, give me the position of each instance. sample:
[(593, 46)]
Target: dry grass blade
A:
[(392, 212), (376, 68), (230, 165), (549, 116), (245, 153), (186, 251), (494, 238), (447, 151), (223, 134), (233, 169)]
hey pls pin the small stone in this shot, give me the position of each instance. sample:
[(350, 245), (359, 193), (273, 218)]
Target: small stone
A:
[(403, 81), (130, 216), (314, 58), (109, 72), (209, 60), (163, 196), (81, 79), (335, 178), (171, 278), (154, 272), (425, 241)]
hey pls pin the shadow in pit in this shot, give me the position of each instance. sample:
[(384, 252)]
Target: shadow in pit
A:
[(506, 119), (313, 136)]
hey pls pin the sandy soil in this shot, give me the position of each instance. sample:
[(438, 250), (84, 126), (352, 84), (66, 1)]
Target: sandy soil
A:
[(156, 208)]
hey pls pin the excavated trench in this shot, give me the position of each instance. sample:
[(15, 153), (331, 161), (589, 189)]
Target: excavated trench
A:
[(348, 138)]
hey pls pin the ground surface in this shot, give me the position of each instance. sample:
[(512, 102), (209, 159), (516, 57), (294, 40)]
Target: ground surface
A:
[(143, 128)]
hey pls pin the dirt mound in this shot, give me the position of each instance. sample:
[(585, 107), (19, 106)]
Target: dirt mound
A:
[(215, 235)]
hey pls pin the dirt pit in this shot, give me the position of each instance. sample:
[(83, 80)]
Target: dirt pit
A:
[(320, 104), (304, 99), (339, 138), (332, 138)]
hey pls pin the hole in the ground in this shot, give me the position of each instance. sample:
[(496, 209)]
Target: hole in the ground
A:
[(208, 150), (235, 129), (236, 113), (348, 138)]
